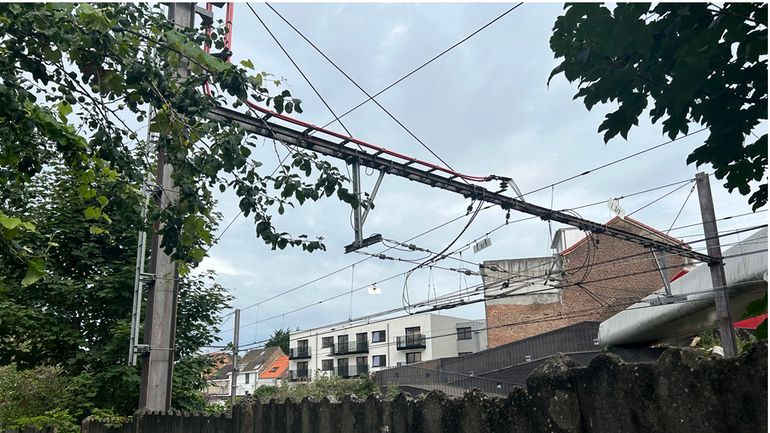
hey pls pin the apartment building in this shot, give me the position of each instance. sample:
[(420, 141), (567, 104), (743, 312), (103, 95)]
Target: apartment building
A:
[(358, 348)]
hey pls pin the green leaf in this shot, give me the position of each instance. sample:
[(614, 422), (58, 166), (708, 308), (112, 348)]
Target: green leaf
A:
[(35, 271), (96, 230), (247, 63), (103, 200), (9, 223), (64, 108), (92, 213)]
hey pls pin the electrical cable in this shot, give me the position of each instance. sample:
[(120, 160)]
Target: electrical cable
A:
[(434, 58), (626, 305), (643, 151), (681, 209), (460, 249), (310, 83), (657, 200), (502, 279), (370, 97)]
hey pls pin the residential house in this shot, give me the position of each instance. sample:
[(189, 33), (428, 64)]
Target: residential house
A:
[(218, 381), (354, 349), (256, 368), (589, 277), (275, 372), (254, 363)]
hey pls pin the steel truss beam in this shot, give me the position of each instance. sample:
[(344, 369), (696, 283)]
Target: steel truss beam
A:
[(341, 150)]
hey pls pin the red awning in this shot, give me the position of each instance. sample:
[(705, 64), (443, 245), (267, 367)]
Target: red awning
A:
[(751, 322)]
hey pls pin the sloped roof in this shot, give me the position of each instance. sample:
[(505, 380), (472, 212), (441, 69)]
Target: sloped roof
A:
[(255, 359), (664, 237), (276, 369), (222, 362)]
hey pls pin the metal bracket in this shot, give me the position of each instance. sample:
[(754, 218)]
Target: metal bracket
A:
[(662, 265), (371, 240), (207, 16), (359, 217)]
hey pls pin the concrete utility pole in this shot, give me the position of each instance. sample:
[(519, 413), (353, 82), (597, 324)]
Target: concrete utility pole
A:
[(234, 374), (718, 280), (160, 317)]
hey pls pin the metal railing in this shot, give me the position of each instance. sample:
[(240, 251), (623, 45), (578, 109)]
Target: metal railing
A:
[(412, 341), (299, 352), (351, 371), (348, 348)]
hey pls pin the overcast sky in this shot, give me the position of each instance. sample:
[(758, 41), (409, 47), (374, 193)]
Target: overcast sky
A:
[(484, 108)]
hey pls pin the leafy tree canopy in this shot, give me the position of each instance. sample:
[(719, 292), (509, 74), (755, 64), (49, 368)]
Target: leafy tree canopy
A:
[(279, 338), (694, 62), (74, 78), (78, 317)]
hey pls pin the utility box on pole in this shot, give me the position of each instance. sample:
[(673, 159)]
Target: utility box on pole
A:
[(717, 267), (162, 296)]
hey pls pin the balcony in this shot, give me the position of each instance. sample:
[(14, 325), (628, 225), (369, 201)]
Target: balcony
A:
[(413, 341), (299, 375), (299, 352), (349, 348), (351, 371)]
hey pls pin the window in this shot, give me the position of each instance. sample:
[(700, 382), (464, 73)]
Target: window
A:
[(378, 361), (274, 369), (342, 367), (378, 336), (342, 340), (327, 365), (413, 357), (464, 333), (302, 345), (327, 342), (412, 331), (246, 378), (302, 371)]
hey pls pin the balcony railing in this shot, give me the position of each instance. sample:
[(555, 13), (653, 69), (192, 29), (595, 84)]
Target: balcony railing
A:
[(412, 341), (299, 352), (351, 371), (299, 375), (349, 348)]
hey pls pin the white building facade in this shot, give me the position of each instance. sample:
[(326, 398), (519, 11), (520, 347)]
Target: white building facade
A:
[(355, 349)]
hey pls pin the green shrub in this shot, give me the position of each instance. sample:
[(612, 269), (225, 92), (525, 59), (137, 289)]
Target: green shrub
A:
[(58, 418), (29, 394), (319, 388), (392, 392)]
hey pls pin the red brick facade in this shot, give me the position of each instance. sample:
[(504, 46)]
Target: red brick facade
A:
[(601, 277)]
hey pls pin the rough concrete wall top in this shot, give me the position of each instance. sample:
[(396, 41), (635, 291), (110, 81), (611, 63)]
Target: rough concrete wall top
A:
[(685, 391)]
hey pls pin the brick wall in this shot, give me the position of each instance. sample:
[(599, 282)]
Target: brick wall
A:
[(599, 295)]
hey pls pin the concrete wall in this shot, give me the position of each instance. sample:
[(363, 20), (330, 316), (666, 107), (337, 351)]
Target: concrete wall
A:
[(478, 341), (683, 392)]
